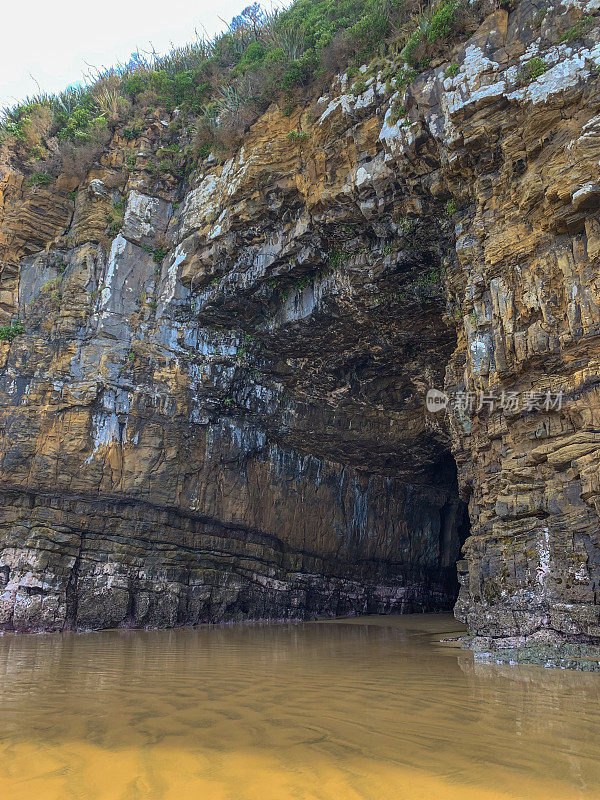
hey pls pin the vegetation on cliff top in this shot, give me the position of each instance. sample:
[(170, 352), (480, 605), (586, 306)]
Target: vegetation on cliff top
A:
[(223, 84)]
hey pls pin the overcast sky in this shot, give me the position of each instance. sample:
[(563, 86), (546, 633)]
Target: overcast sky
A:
[(53, 40)]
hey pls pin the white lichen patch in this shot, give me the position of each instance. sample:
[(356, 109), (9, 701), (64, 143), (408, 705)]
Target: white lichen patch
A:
[(105, 431), (568, 72), (117, 249)]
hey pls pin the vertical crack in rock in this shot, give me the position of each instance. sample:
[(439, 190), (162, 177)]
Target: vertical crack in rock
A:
[(72, 588)]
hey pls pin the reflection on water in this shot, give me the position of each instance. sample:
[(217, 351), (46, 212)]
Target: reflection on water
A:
[(372, 708)]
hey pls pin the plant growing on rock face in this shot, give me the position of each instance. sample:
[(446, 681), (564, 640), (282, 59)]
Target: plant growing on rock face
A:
[(10, 332), (430, 278), (404, 76), (451, 207), (577, 31), (337, 260), (131, 133), (115, 217), (397, 112), (442, 20), (359, 88), (50, 285), (303, 282), (532, 70), (405, 226), (296, 136), (451, 71), (39, 179)]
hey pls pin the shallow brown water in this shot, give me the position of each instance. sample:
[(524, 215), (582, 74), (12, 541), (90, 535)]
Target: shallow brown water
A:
[(371, 708)]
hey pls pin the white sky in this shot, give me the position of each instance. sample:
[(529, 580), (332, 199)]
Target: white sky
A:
[(52, 40)]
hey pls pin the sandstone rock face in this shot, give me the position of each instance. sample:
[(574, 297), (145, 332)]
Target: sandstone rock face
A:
[(218, 412)]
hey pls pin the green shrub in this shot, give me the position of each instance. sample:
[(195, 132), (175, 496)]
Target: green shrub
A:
[(300, 71), (404, 76), (39, 179), (368, 31), (407, 53), (274, 57), (430, 30), (442, 20), (358, 88), (577, 31), (77, 115), (451, 207), (229, 80), (452, 70), (252, 59), (131, 133), (532, 70), (136, 84), (337, 259), (9, 332), (398, 111), (296, 136), (319, 20)]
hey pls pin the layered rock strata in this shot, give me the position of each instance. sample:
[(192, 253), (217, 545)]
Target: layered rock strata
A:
[(218, 412)]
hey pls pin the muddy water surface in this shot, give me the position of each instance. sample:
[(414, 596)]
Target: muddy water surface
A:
[(371, 708)]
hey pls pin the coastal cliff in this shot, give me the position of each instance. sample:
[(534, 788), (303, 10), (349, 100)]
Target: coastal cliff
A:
[(213, 380)]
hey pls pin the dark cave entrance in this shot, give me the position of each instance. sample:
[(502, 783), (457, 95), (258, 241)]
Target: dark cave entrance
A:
[(455, 525)]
